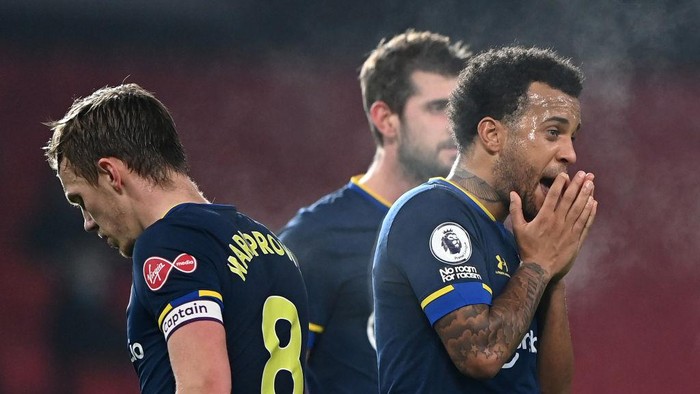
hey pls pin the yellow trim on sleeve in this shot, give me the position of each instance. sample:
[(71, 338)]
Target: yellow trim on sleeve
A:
[(167, 309), (487, 288), (315, 328), (201, 293), (435, 295), (211, 293)]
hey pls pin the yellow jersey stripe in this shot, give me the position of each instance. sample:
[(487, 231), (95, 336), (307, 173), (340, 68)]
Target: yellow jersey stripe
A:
[(211, 293), (167, 309), (435, 295), (356, 181), (315, 328), (487, 288)]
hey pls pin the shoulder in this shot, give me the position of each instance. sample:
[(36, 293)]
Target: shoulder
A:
[(178, 223), (428, 202), (427, 212), (195, 215), (343, 208), (191, 227)]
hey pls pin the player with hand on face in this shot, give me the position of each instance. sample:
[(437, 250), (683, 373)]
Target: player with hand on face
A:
[(487, 313)]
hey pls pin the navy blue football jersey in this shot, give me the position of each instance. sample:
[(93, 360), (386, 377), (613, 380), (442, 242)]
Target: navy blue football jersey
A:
[(211, 262), (439, 250), (333, 240)]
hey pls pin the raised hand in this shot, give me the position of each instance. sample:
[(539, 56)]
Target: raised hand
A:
[(554, 237)]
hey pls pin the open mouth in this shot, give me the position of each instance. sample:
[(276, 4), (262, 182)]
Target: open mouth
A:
[(545, 183)]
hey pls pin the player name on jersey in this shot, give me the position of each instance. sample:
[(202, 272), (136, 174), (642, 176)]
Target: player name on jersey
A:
[(249, 246)]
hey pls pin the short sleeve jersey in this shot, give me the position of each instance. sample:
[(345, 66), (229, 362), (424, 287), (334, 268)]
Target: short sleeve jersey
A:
[(211, 262), (333, 240), (439, 250)]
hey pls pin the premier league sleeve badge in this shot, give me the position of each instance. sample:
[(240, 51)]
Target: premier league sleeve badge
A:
[(450, 243)]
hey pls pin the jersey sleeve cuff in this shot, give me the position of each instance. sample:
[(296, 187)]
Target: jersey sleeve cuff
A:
[(453, 297)]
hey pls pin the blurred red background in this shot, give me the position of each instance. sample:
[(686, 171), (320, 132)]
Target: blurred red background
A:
[(273, 133)]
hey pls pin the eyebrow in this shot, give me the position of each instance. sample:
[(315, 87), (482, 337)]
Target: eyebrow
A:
[(558, 119), (562, 120), (437, 102)]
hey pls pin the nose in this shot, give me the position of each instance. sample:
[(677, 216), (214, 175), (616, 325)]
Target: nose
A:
[(89, 223), (567, 153)]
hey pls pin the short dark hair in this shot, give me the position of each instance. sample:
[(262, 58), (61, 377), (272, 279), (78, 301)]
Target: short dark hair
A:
[(495, 83), (125, 122), (386, 74)]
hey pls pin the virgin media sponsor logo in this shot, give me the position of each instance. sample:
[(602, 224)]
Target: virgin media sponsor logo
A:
[(185, 263), (157, 269)]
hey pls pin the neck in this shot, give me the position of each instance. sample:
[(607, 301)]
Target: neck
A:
[(152, 202), (469, 180), (386, 178)]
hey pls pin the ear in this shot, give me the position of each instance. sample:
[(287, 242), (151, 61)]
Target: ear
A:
[(384, 119), (113, 170), (492, 134)]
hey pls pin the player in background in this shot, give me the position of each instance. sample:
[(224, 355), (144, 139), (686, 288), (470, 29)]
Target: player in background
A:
[(406, 82), (461, 304), (217, 302)]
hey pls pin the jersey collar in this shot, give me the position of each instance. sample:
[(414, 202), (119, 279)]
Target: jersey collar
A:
[(470, 196), (367, 192)]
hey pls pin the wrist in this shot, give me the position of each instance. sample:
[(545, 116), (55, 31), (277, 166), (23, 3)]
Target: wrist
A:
[(540, 271)]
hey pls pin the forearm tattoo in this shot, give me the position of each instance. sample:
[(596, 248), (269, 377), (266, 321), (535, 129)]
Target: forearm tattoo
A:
[(475, 185), (496, 331)]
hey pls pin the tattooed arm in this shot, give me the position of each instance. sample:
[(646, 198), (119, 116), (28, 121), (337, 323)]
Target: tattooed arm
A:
[(479, 338)]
